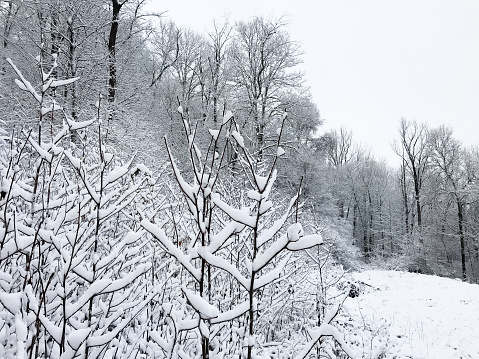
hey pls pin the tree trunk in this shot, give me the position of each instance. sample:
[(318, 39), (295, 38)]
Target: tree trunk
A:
[(418, 210), (112, 58), (8, 23), (404, 195), (72, 67), (371, 220), (355, 217), (341, 208), (461, 238)]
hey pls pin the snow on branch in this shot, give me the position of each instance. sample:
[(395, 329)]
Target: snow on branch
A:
[(236, 312), (160, 235), (75, 125), (237, 215), (271, 252), (267, 234), (220, 238), (200, 305), (272, 275), (56, 83), (223, 264), (326, 329), (305, 242), (24, 84), (41, 151)]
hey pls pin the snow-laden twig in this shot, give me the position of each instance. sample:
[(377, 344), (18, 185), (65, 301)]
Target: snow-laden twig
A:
[(326, 329)]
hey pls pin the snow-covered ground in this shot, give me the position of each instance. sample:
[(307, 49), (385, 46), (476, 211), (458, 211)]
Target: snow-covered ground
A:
[(408, 315)]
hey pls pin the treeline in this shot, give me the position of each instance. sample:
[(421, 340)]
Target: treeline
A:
[(141, 66), (200, 252), (421, 216)]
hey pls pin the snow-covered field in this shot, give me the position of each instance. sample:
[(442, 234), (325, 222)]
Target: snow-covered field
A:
[(408, 315)]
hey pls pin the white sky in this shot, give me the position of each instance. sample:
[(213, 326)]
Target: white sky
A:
[(370, 62)]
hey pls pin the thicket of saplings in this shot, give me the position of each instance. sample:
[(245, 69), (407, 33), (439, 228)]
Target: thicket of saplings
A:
[(104, 259)]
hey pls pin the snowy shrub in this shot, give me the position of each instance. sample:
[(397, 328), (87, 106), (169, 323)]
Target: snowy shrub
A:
[(235, 255), (70, 263)]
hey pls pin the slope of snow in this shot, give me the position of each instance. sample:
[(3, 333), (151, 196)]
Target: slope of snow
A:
[(409, 315)]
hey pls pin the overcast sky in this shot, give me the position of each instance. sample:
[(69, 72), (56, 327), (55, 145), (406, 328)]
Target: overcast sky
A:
[(369, 63)]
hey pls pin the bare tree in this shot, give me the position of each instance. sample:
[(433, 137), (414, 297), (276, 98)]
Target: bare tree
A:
[(413, 150), (338, 146), (447, 157), (133, 26), (219, 38), (115, 15), (337, 149), (264, 60), (165, 48), (9, 12)]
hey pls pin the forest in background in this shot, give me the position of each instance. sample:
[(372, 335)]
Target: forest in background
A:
[(153, 176)]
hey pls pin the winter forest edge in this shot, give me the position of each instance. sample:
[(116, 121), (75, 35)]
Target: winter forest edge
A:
[(165, 193)]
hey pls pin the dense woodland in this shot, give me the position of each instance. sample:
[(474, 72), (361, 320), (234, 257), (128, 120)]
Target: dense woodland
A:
[(166, 193)]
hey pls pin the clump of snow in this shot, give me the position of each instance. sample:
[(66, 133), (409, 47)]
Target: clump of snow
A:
[(265, 207), (214, 134), (76, 338), (239, 215), (57, 83), (21, 85), (238, 138), (295, 231), (305, 242), (205, 332), (11, 301), (254, 195), (107, 157), (240, 309), (115, 173), (261, 181), (74, 125), (205, 309), (228, 115)]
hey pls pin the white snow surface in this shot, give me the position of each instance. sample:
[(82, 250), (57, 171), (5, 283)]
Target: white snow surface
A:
[(415, 316)]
